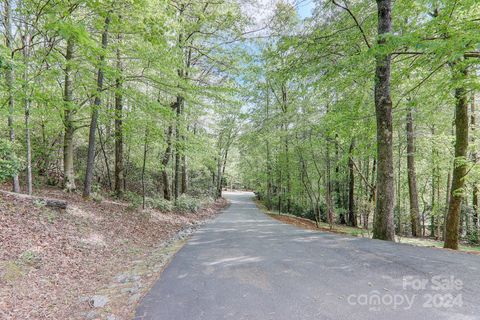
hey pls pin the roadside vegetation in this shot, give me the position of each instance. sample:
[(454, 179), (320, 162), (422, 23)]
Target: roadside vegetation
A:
[(117, 118), (93, 260), (366, 114), (306, 223), (123, 120)]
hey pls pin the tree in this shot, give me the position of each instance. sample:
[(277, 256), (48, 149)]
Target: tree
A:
[(460, 165), (87, 188), (352, 219), (9, 79), (119, 165), (383, 224), (412, 178), (68, 137)]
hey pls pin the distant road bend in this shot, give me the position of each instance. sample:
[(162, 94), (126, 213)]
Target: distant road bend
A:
[(245, 265)]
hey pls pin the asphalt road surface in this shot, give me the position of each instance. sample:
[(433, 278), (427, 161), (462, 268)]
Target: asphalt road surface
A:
[(245, 265)]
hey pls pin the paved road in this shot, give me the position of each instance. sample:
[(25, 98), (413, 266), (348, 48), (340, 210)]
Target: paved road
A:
[(245, 265)]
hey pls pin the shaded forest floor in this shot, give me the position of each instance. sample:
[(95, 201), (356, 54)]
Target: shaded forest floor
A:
[(94, 260), (357, 232)]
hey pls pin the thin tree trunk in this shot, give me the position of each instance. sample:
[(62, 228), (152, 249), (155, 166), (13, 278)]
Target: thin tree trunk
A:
[(219, 177), (473, 124), (28, 147), (459, 168), (184, 172), (280, 185), (328, 186), (383, 224), (433, 185), (269, 177), (352, 220), (105, 158), (69, 131), (87, 188), (365, 194), (447, 201), (26, 102), (438, 220), (289, 180), (145, 150), (166, 159), (372, 198), (338, 196), (399, 187), (269, 164), (286, 146), (119, 166), (125, 169), (412, 178), (9, 78), (178, 151), (225, 162)]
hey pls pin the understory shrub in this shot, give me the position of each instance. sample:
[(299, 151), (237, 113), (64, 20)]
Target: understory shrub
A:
[(133, 199), (9, 163), (159, 204), (184, 203), (187, 204)]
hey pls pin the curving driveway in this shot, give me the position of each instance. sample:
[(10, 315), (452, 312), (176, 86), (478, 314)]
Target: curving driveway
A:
[(245, 265)]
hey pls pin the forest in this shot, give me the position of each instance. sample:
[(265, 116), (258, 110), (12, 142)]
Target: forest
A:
[(126, 98), (367, 116), (126, 125), (360, 113)]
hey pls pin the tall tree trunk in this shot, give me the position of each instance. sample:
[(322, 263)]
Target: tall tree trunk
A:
[(338, 196), (398, 198), (473, 124), (69, 131), (26, 101), (280, 185), (119, 166), (269, 164), (460, 225), (224, 165), (105, 157), (328, 187), (447, 201), (87, 188), (219, 177), (289, 180), (460, 167), (286, 146), (221, 164), (433, 203), (269, 177), (178, 147), (438, 219), (9, 78), (412, 178), (184, 172), (144, 166), (372, 198), (352, 220), (165, 160), (383, 225), (28, 147)]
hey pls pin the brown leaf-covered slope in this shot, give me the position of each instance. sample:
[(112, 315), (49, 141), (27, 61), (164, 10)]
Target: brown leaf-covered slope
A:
[(50, 259)]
